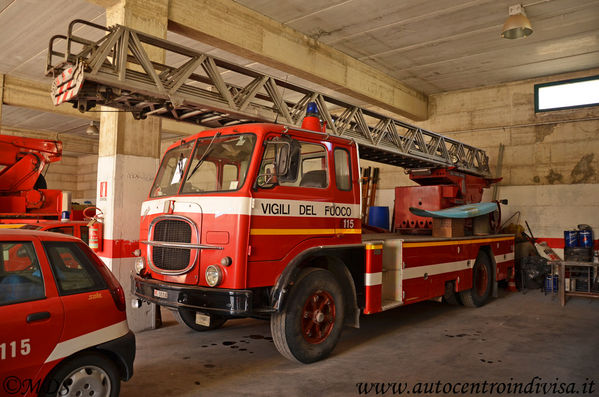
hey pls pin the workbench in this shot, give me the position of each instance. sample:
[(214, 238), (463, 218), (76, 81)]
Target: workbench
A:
[(586, 276)]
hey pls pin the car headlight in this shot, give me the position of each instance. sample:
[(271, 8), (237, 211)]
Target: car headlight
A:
[(139, 264), (214, 276)]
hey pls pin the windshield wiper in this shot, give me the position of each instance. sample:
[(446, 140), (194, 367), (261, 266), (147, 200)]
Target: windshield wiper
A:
[(201, 160)]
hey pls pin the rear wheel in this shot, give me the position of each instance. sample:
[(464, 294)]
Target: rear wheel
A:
[(88, 374), (188, 317), (482, 280), (309, 326)]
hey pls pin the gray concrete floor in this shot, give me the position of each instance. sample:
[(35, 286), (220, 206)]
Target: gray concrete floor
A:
[(510, 340)]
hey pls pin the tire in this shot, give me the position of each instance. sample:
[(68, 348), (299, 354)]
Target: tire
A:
[(86, 374), (188, 317), (308, 327), (482, 281)]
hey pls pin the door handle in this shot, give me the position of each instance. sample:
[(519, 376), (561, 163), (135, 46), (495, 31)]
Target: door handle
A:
[(38, 316)]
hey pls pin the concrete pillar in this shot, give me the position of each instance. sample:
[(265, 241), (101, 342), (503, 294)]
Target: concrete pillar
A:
[(128, 158)]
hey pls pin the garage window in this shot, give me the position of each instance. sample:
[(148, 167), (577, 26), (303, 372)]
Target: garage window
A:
[(73, 270), (567, 94)]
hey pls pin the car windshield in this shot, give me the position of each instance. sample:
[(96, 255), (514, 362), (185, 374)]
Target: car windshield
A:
[(218, 164)]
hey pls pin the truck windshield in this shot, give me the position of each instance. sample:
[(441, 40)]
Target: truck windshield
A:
[(219, 164), (171, 171)]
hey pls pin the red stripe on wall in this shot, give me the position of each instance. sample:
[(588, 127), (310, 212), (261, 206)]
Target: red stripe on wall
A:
[(118, 248), (558, 243)]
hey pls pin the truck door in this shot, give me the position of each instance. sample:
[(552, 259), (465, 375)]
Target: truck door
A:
[(287, 212), (31, 314)]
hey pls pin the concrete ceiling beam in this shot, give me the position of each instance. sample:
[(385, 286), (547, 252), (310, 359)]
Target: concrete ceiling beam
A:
[(71, 144), (244, 32), (105, 3), (35, 95)]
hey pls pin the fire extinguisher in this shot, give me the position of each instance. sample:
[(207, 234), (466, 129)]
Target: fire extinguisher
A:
[(96, 228)]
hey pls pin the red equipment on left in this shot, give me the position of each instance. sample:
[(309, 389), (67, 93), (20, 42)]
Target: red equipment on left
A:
[(23, 190)]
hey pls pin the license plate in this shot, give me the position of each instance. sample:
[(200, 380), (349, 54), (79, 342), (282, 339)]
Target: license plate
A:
[(202, 319), (160, 294)]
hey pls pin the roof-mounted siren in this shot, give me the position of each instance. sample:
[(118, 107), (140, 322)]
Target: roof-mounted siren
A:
[(312, 119)]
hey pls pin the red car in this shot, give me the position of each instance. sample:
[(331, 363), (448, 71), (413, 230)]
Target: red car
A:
[(78, 229), (63, 327)]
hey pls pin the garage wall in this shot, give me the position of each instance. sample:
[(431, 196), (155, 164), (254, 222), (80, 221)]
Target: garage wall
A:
[(79, 175), (63, 174), (76, 175), (551, 159), (86, 178), (547, 148)]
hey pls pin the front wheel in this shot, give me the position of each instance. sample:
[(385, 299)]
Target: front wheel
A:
[(482, 281), (308, 327), (188, 317), (88, 374)]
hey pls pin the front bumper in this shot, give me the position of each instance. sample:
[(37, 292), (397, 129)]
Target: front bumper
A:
[(216, 300)]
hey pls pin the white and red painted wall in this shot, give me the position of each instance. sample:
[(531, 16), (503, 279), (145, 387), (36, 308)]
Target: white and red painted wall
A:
[(550, 164)]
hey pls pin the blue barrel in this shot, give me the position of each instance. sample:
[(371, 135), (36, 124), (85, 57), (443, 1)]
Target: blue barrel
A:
[(585, 238), (379, 217), (551, 283), (571, 238)]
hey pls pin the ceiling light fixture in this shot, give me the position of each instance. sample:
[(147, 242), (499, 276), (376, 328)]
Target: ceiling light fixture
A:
[(92, 129), (517, 24)]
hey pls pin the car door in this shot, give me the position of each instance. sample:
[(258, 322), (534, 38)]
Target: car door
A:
[(31, 313), (88, 304)]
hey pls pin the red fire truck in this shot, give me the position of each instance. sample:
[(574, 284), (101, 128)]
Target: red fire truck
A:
[(264, 219), (25, 201)]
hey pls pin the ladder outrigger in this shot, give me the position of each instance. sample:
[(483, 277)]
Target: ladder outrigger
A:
[(115, 71)]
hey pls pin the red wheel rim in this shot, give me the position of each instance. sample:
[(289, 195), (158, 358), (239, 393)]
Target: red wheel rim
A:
[(318, 317), (481, 280)]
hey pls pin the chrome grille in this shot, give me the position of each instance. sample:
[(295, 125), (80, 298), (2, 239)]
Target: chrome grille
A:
[(172, 231)]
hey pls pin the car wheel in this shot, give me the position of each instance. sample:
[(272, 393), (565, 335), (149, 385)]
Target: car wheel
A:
[(87, 374), (308, 327), (188, 317)]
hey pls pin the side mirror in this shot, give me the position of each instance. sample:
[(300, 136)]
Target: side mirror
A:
[(281, 162), (288, 160), (282, 159)]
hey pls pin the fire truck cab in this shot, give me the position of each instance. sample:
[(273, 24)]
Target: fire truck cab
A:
[(264, 220)]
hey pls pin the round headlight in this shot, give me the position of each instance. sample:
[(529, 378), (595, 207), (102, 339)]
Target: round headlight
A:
[(139, 264), (214, 276)]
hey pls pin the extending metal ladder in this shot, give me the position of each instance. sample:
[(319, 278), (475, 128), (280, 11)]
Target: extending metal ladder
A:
[(115, 71)]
